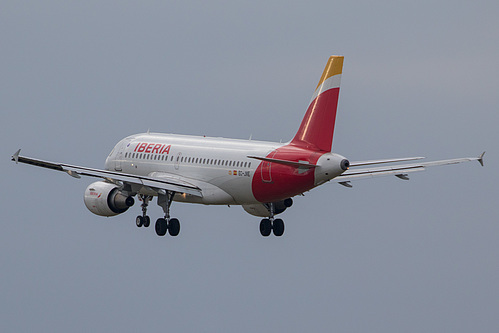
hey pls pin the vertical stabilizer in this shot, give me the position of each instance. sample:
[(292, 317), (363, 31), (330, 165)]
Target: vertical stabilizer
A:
[(317, 127)]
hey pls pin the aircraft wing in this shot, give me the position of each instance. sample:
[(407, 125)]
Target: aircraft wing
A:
[(401, 171), (118, 178)]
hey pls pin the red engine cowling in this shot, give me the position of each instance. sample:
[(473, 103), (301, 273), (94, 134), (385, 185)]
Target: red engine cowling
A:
[(106, 199)]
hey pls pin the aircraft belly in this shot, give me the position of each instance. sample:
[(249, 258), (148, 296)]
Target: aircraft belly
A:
[(235, 189), (240, 189)]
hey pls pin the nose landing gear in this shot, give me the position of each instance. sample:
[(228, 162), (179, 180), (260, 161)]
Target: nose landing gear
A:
[(143, 220)]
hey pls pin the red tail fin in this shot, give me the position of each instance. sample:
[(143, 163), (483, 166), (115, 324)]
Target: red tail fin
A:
[(317, 127)]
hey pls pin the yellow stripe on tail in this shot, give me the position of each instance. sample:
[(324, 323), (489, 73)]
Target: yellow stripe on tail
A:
[(333, 67)]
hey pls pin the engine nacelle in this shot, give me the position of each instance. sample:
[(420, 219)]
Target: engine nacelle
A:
[(262, 211), (106, 199)]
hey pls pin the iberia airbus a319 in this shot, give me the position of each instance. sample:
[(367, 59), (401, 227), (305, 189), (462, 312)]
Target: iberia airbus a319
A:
[(262, 177)]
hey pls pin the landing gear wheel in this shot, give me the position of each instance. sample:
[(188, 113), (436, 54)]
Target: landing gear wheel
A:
[(161, 227), (265, 227), (174, 227), (278, 227), (147, 221), (139, 221)]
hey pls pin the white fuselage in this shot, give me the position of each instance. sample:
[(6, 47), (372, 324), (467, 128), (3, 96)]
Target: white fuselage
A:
[(219, 166)]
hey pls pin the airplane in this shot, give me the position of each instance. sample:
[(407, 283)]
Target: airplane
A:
[(262, 177)]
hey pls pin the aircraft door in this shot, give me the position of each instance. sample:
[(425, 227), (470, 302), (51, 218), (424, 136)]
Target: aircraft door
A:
[(119, 156), (267, 168), (177, 161)]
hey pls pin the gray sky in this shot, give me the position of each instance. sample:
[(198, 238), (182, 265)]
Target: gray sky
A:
[(419, 78)]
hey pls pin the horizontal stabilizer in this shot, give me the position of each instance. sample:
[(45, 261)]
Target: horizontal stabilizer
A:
[(299, 164)]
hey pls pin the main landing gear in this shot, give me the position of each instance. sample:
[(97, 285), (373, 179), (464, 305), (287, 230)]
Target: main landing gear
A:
[(270, 224), (163, 225), (172, 225)]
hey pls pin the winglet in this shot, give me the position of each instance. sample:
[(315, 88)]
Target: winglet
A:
[(480, 159), (15, 157)]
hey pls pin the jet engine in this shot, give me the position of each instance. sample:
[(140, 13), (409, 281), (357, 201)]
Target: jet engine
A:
[(262, 211), (106, 199)]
